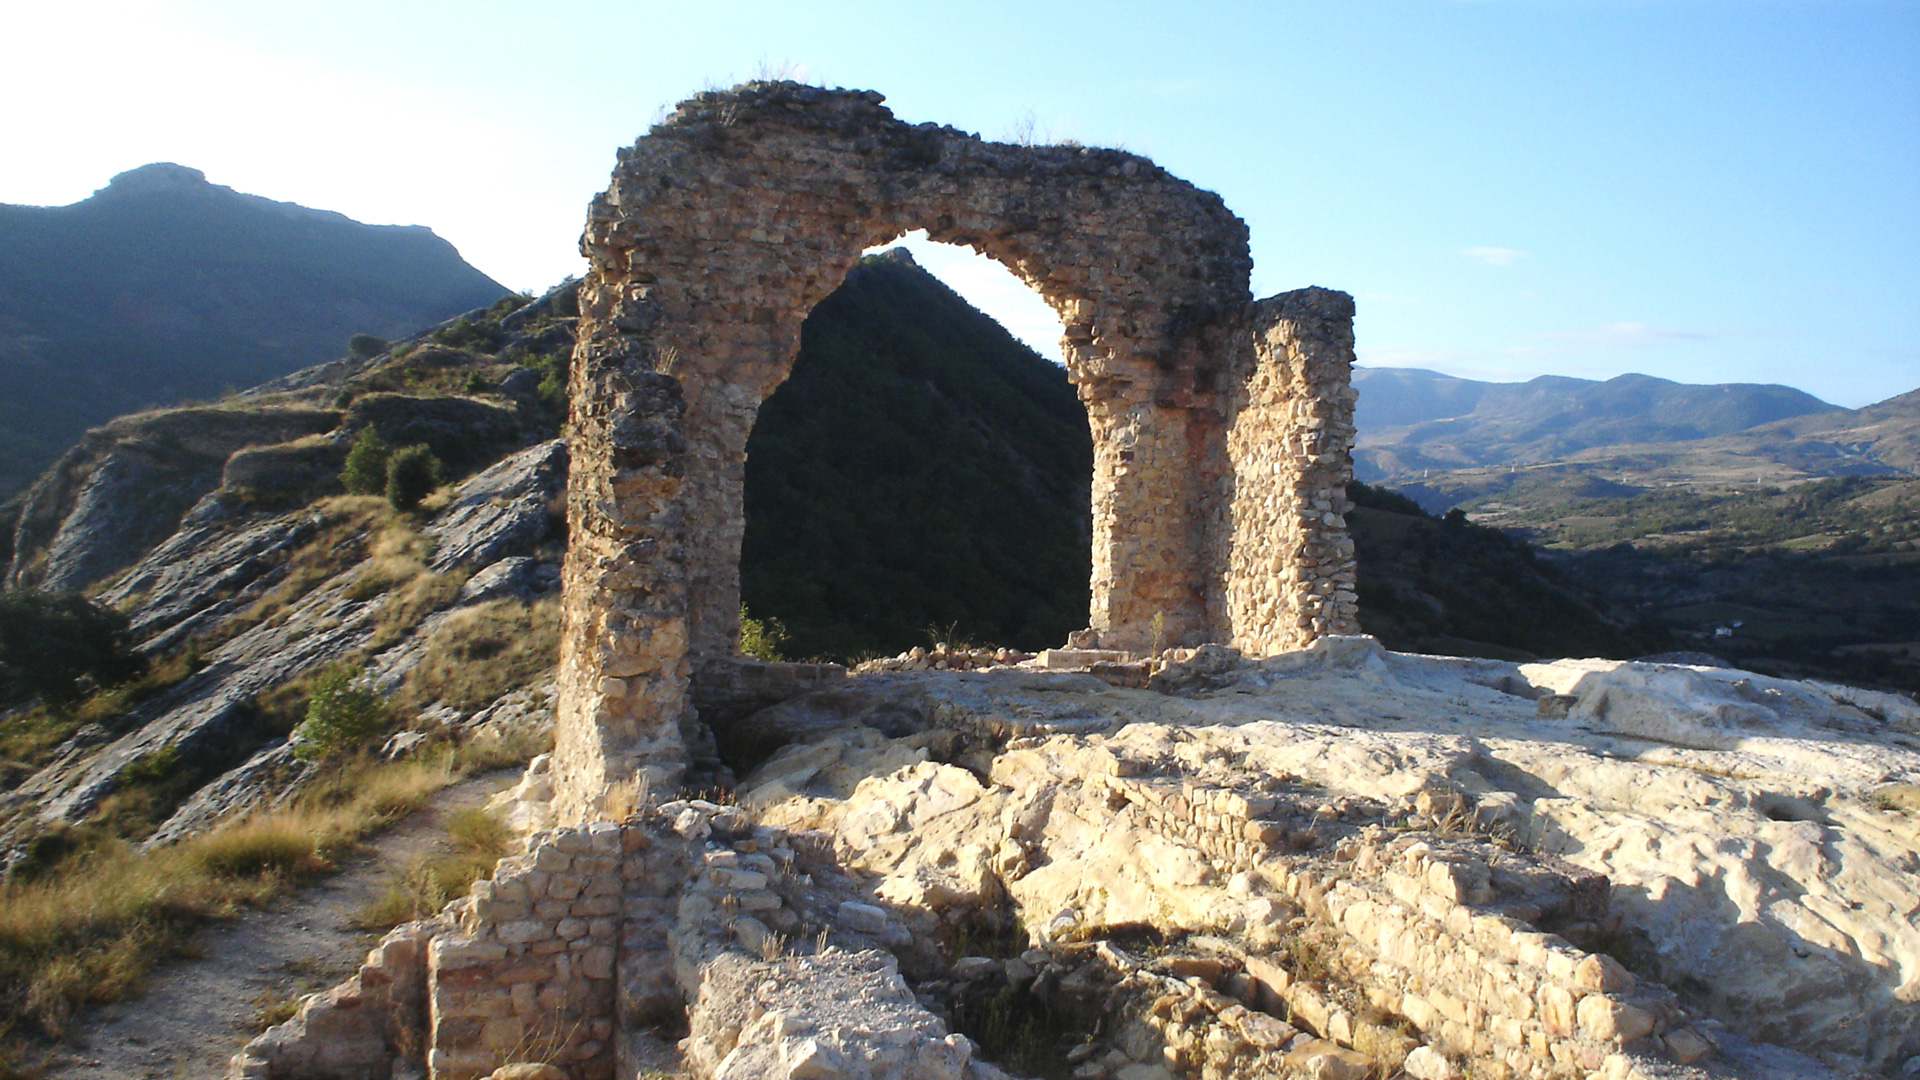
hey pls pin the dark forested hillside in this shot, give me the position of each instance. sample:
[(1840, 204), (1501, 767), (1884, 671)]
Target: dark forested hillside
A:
[(924, 473), (1446, 585), (920, 471), (162, 287)]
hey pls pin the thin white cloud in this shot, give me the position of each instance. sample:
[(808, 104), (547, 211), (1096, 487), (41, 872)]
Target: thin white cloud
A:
[(1495, 256)]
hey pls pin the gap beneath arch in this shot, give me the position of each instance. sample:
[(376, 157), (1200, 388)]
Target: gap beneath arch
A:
[(920, 476)]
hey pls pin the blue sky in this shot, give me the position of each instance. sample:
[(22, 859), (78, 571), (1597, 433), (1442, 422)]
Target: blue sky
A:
[(1707, 191)]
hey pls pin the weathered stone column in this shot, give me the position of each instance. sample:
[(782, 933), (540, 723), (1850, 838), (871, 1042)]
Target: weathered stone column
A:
[(1289, 569), (623, 667)]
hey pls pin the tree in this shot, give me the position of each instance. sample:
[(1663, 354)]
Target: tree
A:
[(412, 474), (341, 715), (53, 644), (366, 471)]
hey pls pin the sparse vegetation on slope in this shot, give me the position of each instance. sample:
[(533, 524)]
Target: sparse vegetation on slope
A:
[(1446, 585), (1817, 580), (89, 928)]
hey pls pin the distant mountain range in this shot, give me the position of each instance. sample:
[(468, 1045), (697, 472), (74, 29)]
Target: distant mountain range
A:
[(162, 287), (1446, 440), (1411, 420)]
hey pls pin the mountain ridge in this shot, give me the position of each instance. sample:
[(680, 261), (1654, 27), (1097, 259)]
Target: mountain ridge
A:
[(1411, 420), (162, 287)]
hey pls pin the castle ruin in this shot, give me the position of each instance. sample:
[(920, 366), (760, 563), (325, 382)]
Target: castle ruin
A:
[(1221, 424)]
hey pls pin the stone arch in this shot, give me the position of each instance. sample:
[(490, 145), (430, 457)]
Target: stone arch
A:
[(729, 221)]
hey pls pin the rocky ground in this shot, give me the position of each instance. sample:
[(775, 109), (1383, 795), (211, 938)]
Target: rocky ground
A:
[(1756, 856)]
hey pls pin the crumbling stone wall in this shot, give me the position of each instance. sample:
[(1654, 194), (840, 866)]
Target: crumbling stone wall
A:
[(1220, 427), (769, 947), (1289, 562)]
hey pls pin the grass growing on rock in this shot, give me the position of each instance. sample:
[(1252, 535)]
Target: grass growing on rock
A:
[(479, 653), (29, 737), (90, 928), (479, 841)]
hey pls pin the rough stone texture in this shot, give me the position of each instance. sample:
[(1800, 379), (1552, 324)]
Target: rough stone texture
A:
[(1353, 856), (213, 568), (1220, 427), (125, 485)]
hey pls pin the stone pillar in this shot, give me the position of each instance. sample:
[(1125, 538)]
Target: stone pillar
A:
[(1288, 568), (1158, 450), (623, 671)]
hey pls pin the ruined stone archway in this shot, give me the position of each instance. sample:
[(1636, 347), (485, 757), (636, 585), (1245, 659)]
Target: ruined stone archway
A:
[(1220, 425)]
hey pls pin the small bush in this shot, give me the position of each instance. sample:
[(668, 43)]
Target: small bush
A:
[(341, 716), (762, 638), (362, 346), (52, 645), (366, 471), (412, 474)]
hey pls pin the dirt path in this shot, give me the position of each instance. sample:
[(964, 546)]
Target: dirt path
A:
[(195, 1014)]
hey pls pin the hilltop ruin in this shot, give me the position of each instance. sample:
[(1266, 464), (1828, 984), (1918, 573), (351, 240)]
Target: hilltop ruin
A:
[(1221, 425), (1287, 853)]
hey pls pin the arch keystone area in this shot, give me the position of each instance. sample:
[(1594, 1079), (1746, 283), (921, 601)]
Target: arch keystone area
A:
[(1221, 425)]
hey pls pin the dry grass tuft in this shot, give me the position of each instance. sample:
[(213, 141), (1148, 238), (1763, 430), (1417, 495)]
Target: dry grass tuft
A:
[(625, 797), (90, 929), (425, 886), (1896, 797), (479, 653)]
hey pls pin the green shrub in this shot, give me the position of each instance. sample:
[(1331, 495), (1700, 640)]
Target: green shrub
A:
[(53, 644), (366, 471), (763, 638), (362, 346), (412, 474), (341, 716)]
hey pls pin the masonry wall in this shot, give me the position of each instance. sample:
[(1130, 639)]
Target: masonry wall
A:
[(727, 223), (609, 928), (1289, 562), (1421, 924)]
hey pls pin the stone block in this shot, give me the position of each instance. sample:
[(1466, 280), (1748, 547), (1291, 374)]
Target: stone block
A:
[(1602, 973), (1688, 1046), (1557, 1009), (523, 932), (1607, 1019)]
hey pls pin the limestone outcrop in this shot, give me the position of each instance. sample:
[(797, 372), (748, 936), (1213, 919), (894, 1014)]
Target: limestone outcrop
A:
[(1336, 861), (125, 486), (215, 568)]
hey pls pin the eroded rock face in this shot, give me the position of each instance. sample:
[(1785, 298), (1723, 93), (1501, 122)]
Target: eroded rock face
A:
[(125, 486), (1221, 427), (216, 566)]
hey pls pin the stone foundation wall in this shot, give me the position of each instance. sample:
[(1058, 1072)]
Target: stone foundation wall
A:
[(544, 962), (778, 957), (1430, 926)]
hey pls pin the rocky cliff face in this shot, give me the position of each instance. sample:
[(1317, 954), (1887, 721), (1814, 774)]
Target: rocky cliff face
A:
[(225, 536)]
